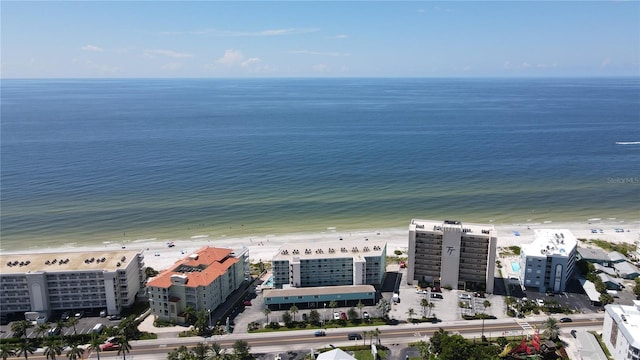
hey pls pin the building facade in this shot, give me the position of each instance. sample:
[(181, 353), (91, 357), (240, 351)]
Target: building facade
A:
[(621, 330), (330, 264), (549, 261), (53, 282), (202, 281), (451, 254)]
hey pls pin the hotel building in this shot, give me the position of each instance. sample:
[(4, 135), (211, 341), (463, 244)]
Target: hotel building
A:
[(202, 280), (548, 262), (621, 330), (330, 264), (52, 282), (452, 254)]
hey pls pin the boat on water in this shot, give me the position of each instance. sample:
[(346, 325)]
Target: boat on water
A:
[(627, 142)]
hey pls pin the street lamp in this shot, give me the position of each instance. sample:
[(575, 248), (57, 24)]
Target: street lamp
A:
[(209, 312), (324, 314)]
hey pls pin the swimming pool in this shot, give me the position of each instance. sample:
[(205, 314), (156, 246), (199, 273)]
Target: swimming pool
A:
[(515, 267), (268, 282)]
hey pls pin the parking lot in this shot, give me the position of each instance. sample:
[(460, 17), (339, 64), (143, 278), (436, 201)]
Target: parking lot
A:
[(86, 323)]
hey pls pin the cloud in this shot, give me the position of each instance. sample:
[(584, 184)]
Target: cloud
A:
[(233, 57), (250, 62), (232, 33), (606, 62), (319, 68), (309, 52), (341, 36), (167, 53), (525, 65), (91, 48)]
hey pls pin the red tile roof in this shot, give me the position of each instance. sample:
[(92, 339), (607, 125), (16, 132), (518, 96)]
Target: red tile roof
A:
[(215, 261)]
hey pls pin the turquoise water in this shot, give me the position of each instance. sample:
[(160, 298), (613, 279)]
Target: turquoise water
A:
[(515, 267), (88, 161), (268, 282)]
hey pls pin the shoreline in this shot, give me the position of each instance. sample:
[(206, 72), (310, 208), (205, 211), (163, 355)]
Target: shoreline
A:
[(263, 247)]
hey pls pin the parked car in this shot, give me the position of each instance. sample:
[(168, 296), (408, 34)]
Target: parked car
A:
[(336, 315), (421, 291), (465, 296), (79, 314), (65, 316), (437, 296), (354, 336), (573, 333), (565, 320), (114, 317), (366, 315), (343, 315), (246, 303), (54, 331), (319, 333)]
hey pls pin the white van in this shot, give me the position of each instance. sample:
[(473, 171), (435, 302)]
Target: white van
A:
[(97, 329)]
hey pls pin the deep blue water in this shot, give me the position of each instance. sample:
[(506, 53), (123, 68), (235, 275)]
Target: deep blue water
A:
[(88, 160)]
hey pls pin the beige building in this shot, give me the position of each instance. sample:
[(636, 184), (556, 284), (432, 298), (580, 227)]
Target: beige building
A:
[(52, 282), (202, 280), (451, 254)]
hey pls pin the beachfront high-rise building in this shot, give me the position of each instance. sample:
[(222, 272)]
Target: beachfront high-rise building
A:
[(451, 254), (621, 330), (548, 262), (332, 263), (54, 282), (202, 281)]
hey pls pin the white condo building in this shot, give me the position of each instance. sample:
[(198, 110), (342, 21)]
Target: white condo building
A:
[(50, 282), (548, 262), (452, 254), (621, 330)]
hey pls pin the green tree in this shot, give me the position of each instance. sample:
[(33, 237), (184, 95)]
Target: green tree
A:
[(53, 348), (75, 351), (605, 299), (41, 330), (181, 353), (360, 306), (217, 352), (286, 318), (384, 307), (424, 304), (20, 327), (241, 350), (430, 307), (455, 347), (7, 350), (266, 313), (72, 322), (551, 328), (636, 288), (124, 346), (333, 304), (423, 349), (376, 332), (438, 339), (150, 272), (293, 310), (314, 317), (189, 314), (94, 345), (201, 351), (353, 314), (26, 348), (411, 313), (201, 322)]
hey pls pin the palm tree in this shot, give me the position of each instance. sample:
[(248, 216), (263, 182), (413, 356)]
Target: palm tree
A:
[(201, 351), (25, 348), (7, 350), (53, 348), (61, 324), (20, 327), (376, 333), (486, 304), (424, 303), (294, 310), (72, 322), (333, 304), (423, 349), (266, 312), (94, 345), (124, 347), (189, 314), (217, 351), (75, 352), (241, 349), (360, 306), (430, 306), (551, 328), (411, 313), (41, 330)]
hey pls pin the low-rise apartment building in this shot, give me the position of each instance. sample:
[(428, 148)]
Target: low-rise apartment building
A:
[(53, 282), (333, 263), (548, 262), (621, 330), (452, 254), (203, 281)]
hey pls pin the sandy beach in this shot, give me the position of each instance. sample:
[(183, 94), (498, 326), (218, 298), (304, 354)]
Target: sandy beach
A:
[(160, 256)]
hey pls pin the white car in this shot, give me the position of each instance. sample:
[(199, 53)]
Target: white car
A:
[(465, 296), (366, 315), (420, 291), (336, 315)]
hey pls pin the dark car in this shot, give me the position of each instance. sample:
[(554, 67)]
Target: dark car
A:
[(65, 316), (573, 333), (437, 296), (246, 303), (354, 336), (114, 317), (564, 320), (319, 333)]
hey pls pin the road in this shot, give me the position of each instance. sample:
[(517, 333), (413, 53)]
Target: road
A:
[(304, 340)]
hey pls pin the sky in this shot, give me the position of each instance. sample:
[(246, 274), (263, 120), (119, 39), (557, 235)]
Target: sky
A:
[(218, 39)]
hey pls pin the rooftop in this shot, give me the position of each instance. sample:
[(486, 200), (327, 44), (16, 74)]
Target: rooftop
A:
[(108, 260), (320, 290), (551, 242), (628, 319), (332, 249), (439, 226), (199, 269), (593, 254)]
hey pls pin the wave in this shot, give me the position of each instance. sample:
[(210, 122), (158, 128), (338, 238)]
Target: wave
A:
[(627, 142)]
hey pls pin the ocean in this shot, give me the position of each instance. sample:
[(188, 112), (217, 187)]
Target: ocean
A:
[(90, 161)]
